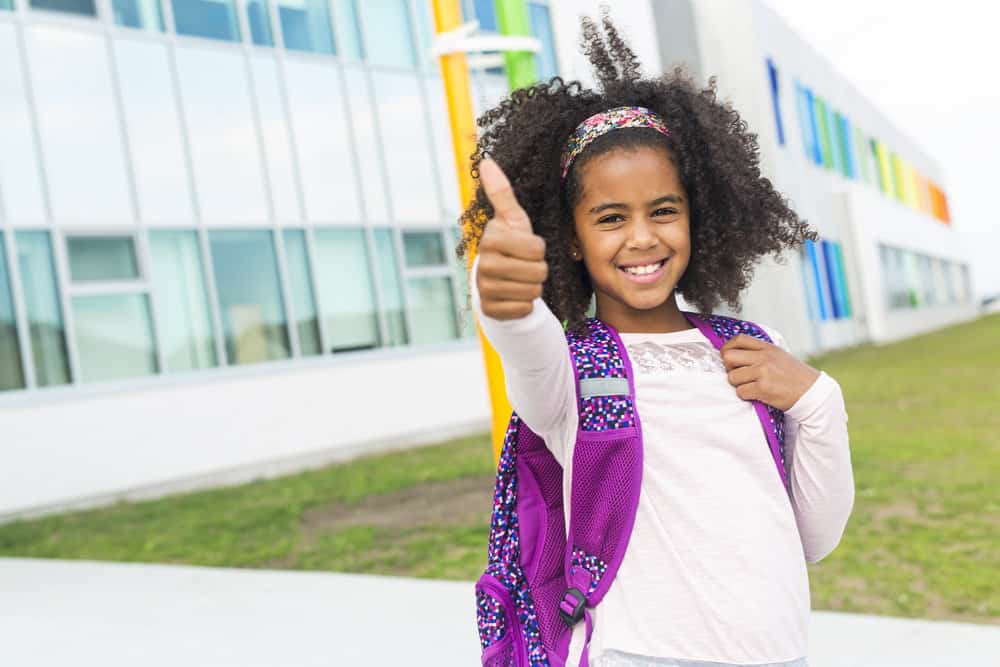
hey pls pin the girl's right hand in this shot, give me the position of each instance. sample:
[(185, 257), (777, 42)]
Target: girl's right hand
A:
[(512, 264)]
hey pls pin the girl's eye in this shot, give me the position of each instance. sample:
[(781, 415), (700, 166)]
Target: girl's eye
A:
[(665, 211), (610, 218)]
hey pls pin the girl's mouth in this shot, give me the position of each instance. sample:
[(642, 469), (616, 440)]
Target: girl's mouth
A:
[(648, 273)]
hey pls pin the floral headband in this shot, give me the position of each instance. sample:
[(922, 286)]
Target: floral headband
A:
[(604, 122)]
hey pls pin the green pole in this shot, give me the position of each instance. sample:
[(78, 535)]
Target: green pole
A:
[(512, 19)]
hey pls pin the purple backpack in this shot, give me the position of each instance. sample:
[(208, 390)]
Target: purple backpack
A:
[(539, 583)]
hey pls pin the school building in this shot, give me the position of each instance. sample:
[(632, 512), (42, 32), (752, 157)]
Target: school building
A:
[(226, 227)]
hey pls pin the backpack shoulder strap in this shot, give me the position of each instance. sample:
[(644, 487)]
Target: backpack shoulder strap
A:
[(719, 329), (606, 470)]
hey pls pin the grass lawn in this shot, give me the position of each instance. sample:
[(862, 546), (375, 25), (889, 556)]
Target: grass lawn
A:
[(924, 419)]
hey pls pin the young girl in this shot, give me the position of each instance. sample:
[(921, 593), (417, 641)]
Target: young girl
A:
[(631, 195)]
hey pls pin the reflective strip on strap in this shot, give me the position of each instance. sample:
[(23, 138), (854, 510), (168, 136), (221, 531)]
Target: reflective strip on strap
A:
[(590, 387)]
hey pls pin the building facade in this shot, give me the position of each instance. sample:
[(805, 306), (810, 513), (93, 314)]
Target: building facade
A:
[(226, 227)]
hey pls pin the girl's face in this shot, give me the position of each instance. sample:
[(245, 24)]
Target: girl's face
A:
[(633, 235)]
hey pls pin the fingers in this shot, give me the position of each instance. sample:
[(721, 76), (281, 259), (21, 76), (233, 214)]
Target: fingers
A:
[(743, 375), (735, 357), (492, 289), (501, 195), (514, 244), (744, 342), (750, 391)]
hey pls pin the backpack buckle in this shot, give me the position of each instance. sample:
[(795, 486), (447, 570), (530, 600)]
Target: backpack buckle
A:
[(572, 606)]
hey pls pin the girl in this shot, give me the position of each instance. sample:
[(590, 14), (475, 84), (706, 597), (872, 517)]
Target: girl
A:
[(631, 195)]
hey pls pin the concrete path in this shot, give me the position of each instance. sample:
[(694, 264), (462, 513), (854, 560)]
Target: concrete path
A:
[(87, 614)]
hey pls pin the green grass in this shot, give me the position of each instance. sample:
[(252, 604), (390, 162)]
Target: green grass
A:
[(924, 421)]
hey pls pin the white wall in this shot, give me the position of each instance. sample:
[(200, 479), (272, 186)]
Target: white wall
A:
[(80, 446)]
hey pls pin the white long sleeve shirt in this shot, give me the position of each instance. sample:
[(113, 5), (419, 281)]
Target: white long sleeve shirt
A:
[(715, 569)]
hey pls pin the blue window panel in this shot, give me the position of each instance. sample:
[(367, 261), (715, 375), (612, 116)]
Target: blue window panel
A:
[(772, 73), (830, 258), (260, 23), (833, 123), (817, 155), (847, 145), (546, 64), (484, 12), (822, 295), (809, 283), (205, 18), (803, 105)]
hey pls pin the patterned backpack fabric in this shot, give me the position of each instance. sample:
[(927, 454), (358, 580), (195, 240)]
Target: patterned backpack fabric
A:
[(541, 580)]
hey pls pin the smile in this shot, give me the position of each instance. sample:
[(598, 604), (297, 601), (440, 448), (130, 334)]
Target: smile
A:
[(646, 273)]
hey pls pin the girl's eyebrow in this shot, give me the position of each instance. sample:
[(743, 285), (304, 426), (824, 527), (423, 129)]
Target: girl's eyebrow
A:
[(673, 199)]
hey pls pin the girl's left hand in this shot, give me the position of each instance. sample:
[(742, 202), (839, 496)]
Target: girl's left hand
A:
[(764, 372)]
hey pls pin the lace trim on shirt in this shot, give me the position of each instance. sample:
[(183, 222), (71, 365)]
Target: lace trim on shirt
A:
[(651, 358)]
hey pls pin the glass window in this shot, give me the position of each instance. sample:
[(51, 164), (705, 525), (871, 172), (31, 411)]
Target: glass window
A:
[(7, 4), (71, 70), (546, 63), (388, 38), (114, 336), (443, 147), (403, 124), (259, 20), (468, 319), (223, 134), (94, 258), (391, 287), (253, 312), (138, 14), (41, 302), (183, 314), (347, 297), (822, 295), (20, 180), (432, 309), (319, 115), (772, 73), (426, 31), (214, 19), (277, 139), (305, 25), (423, 248), (11, 373), (154, 131), (484, 13), (363, 123), (301, 290), (84, 7), (345, 21)]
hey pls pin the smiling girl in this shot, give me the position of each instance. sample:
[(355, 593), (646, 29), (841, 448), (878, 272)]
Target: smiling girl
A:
[(628, 196)]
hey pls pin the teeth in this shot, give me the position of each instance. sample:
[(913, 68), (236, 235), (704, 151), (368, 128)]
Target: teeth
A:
[(643, 270)]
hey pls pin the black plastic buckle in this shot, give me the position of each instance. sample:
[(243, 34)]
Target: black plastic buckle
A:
[(575, 597)]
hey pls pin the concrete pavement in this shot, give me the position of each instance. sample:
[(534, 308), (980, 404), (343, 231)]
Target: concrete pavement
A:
[(82, 613)]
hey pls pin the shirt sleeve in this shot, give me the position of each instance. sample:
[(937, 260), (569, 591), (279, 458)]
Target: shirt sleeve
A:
[(821, 477), (538, 372)]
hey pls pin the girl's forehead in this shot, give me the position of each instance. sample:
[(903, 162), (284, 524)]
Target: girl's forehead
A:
[(629, 170)]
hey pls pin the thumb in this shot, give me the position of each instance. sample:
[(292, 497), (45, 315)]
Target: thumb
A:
[(501, 195)]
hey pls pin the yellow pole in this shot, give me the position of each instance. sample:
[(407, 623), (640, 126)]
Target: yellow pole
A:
[(448, 16)]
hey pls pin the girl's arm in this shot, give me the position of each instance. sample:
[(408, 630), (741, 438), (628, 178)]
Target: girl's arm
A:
[(822, 481), (537, 369)]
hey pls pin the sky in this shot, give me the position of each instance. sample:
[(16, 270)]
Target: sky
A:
[(932, 68)]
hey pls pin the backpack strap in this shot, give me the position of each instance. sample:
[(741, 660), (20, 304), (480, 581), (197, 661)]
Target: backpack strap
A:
[(606, 474), (719, 329)]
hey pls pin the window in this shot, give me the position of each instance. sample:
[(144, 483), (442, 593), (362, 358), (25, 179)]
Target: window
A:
[(345, 21), (390, 287), (388, 38), (249, 293), (346, 292), (11, 372), (772, 73), (304, 313), (182, 308), (467, 318), (95, 259), (144, 14), (82, 7), (822, 295), (43, 310), (259, 20), (807, 125), (114, 336), (546, 63), (305, 25), (831, 277), (7, 4), (110, 309), (214, 19), (823, 123), (429, 288)]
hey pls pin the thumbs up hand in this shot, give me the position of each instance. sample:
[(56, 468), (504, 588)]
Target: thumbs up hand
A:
[(512, 264)]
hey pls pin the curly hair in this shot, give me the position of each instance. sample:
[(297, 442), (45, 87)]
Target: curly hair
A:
[(736, 215)]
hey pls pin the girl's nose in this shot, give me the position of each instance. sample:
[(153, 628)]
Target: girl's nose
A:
[(641, 236)]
